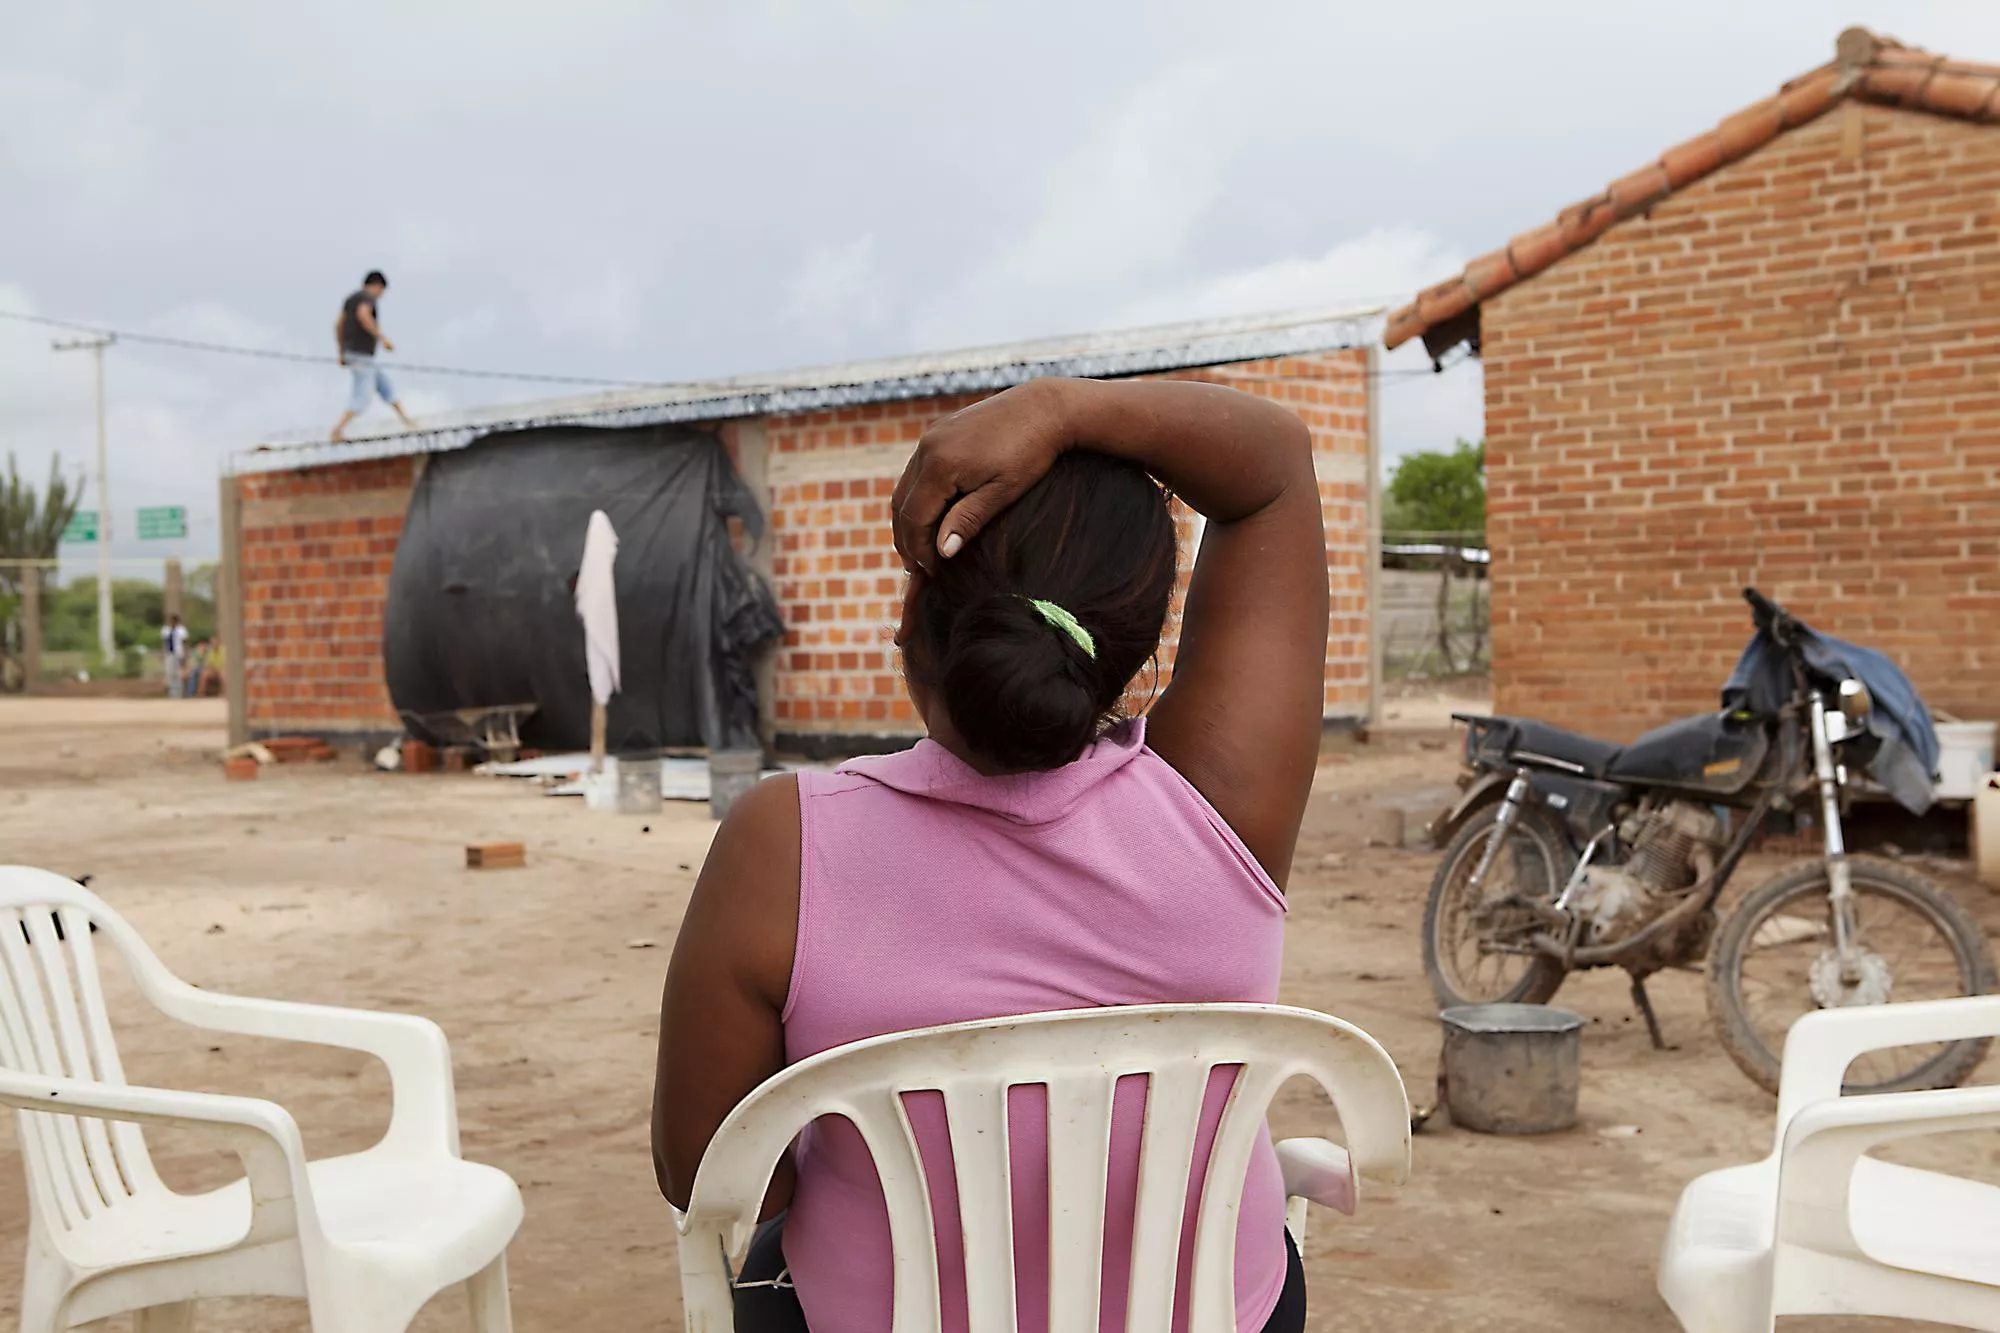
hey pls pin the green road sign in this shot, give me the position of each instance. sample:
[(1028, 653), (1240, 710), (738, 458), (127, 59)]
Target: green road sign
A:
[(163, 523), (82, 526)]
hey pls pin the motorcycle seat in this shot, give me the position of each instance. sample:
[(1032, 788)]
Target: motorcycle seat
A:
[(1527, 741)]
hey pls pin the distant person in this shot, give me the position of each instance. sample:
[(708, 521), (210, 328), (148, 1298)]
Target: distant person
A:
[(173, 647), (197, 667), (209, 684), (357, 332)]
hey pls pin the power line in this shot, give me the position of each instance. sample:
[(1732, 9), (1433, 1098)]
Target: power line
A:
[(1401, 375), (303, 358), (1388, 376)]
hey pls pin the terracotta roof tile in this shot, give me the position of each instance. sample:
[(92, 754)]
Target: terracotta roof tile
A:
[(1752, 128), (1533, 251), (1692, 160), (1488, 274), (1898, 85), (1955, 94), (1645, 186), (1585, 222), (1867, 67), (1806, 99)]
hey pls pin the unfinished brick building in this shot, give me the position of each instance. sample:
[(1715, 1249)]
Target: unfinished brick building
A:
[(1770, 358), (310, 533)]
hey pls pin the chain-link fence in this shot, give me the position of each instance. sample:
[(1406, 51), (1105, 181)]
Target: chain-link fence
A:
[(1435, 615), (51, 633)]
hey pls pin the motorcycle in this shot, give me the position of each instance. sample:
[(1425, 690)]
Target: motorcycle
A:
[(1566, 852)]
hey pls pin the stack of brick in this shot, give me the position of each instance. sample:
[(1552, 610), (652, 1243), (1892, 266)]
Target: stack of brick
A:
[(300, 750)]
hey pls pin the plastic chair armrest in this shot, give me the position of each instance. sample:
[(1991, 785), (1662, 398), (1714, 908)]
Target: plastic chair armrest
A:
[(261, 1134), (1822, 1044), (425, 1110), (1823, 1142), (1320, 1171), (708, 1299)]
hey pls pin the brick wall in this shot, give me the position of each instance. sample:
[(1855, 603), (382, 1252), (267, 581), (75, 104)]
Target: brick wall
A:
[(839, 582), (317, 546), (1330, 393), (834, 569), (1787, 376)]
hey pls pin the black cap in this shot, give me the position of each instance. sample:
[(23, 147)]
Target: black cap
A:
[(375, 276)]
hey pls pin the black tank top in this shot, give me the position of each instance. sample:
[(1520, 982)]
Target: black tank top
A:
[(354, 338)]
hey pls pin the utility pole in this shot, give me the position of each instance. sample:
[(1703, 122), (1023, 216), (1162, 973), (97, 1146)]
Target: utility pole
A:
[(95, 346)]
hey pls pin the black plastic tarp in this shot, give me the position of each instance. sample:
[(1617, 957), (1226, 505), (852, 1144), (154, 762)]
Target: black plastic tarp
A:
[(481, 609)]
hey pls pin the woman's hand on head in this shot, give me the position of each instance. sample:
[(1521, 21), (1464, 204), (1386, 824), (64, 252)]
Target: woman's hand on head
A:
[(973, 464)]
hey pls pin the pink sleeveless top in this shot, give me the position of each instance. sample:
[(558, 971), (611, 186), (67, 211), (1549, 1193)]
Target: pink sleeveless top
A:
[(931, 894)]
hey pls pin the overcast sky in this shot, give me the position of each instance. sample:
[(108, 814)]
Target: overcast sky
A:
[(666, 191)]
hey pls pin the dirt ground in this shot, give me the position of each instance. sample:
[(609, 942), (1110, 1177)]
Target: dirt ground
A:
[(339, 885)]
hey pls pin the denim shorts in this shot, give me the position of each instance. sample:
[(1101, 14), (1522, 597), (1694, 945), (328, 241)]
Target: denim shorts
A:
[(367, 379)]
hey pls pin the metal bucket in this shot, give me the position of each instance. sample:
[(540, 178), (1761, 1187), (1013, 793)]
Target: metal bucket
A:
[(1512, 1068), (730, 774)]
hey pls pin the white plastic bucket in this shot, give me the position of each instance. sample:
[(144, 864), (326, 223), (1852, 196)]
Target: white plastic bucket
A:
[(600, 789), (1986, 831), (1965, 757)]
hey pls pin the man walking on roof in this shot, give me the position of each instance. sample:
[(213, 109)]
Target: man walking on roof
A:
[(357, 333)]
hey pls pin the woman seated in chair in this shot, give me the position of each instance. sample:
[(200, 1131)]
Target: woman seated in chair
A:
[(1042, 849)]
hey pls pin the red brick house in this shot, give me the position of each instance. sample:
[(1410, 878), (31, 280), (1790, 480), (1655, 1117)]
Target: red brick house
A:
[(1771, 357), (310, 532)]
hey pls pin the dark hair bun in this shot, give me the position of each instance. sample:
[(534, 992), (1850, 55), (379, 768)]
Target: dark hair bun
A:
[(1096, 538), (1021, 692)]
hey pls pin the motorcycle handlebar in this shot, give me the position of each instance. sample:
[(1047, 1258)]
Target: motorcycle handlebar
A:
[(1771, 618)]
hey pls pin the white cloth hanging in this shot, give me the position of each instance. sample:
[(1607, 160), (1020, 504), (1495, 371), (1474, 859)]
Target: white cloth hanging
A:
[(597, 606)]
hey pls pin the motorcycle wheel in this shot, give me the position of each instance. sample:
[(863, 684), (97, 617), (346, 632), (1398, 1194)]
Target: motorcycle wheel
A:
[(1535, 863), (1773, 953)]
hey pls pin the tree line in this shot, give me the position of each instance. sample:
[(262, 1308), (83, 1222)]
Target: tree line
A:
[(1438, 493)]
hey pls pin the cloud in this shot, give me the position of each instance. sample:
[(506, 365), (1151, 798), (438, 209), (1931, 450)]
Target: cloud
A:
[(1117, 240), (419, 245), (1115, 244), (1380, 267), (92, 144), (463, 332), (839, 285), (210, 320), (1118, 212), (1383, 267), (600, 306)]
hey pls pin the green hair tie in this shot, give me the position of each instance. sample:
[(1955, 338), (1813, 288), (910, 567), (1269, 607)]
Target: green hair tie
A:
[(1067, 623)]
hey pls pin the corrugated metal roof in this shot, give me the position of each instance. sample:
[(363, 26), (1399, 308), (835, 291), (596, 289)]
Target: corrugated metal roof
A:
[(1142, 351)]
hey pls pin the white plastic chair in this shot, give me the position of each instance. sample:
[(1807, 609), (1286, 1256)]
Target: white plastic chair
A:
[(1078, 1055), (365, 1239), (1819, 1228)]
